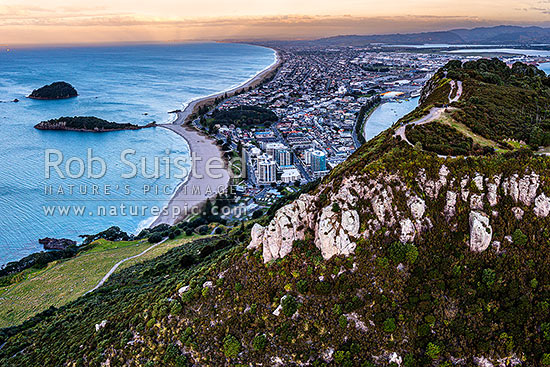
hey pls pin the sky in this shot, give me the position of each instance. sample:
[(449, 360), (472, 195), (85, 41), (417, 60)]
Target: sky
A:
[(111, 21)]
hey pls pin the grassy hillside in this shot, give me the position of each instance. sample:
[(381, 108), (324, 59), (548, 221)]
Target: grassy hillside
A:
[(499, 103), (61, 282)]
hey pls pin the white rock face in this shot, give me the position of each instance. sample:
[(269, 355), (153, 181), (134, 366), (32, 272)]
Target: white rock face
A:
[(256, 234), (510, 187), (450, 206), (288, 225), (483, 362), (350, 222), (478, 180), (281, 233), (278, 310), (360, 325), (382, 204), (332, 237), (332, 230), (183, 289), (522, 189), (395, 358), (417, 206), (433, 187), (101, 325), (387, 201), (528, 186), (518, 213), (481, 232), (408, 231), (492, 196), (542, 206), (492, 190)]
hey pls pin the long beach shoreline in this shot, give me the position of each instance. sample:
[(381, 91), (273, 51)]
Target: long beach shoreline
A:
[(193, 192), (192, 108), (199, 186)]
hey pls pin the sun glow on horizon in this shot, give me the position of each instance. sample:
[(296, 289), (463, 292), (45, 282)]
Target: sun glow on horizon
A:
[(65, 22)]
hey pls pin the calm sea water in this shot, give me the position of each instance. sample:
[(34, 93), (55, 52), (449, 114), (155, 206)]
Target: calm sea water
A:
[(386, 115), (136, 84)]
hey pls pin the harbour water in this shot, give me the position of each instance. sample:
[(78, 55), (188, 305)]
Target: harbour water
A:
[(386, 115), (512, 51), (125, 84), (545, 66)]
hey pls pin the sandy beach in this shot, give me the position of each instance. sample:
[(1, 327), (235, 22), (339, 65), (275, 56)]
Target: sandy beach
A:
[(192, 108), (199, 186), (192, 193)]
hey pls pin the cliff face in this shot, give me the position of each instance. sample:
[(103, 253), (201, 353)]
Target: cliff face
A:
[(362, 205)]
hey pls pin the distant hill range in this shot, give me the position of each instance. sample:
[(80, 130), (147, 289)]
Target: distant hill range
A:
[(499, 35)]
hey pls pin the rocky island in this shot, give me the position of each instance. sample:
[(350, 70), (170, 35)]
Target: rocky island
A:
[(57, 90), (87, 124)]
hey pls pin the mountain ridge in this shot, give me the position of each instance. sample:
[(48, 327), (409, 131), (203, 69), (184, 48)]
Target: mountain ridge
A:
[(497, 35)]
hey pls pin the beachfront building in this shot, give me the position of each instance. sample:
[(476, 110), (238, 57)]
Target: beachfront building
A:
[(283, 157), (272, 148), (266, 168), (290, 174), (318, 161)]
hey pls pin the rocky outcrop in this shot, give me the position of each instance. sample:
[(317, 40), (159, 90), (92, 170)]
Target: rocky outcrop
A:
[(481, 232), (518, 213), (288, 225), (333, 235), (362, 205), (408, 231), (542, 206), (56, 244), (256, 235), (522, 189), (450, 206), (101, 325)]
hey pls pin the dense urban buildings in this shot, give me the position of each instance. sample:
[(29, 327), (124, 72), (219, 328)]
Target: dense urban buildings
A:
[(321, 98)]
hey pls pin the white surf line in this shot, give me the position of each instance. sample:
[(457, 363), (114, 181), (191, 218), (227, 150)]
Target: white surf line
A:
[(115, 267)]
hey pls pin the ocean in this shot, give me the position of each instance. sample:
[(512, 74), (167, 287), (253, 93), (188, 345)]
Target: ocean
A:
[(126, 84)]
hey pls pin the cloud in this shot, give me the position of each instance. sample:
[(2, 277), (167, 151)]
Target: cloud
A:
[(86, 20), (38, 25)]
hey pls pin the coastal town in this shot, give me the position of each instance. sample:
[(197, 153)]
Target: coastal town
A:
[(321, 97)]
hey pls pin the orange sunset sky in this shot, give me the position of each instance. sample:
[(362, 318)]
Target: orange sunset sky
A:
[(102, 21)]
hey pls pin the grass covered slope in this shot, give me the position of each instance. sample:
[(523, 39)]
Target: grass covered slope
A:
[(423, 280), (35, 290), (499, 104)]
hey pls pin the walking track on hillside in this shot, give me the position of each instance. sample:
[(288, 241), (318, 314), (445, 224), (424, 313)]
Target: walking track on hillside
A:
[(115, 267), (434, 114)]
